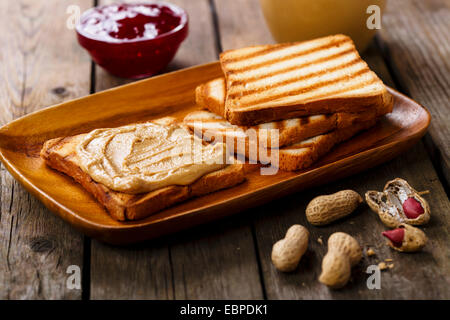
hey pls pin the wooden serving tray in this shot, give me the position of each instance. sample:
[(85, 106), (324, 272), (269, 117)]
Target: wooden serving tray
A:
[(173, 94)]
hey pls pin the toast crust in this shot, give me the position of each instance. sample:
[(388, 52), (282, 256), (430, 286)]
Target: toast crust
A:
[(60, 154), (215, 127), (283, 81), (212, 94), (294, 156), (267, 114), (304, 154)]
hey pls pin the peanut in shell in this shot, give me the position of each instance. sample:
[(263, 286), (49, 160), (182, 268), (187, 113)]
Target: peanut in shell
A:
[(325, 209), (389, 204), (414, 239), (344, 252)]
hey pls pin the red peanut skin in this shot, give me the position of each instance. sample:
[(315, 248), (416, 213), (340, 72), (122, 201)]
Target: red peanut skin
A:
[(396, 236), (413, 238), (415, 209), (412, 208)]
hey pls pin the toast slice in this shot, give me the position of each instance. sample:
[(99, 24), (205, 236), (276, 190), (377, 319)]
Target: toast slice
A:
[(60, 154), (211, 95), (283, 81), (292, 156), (303, 154), (295, 156), (215, 127)]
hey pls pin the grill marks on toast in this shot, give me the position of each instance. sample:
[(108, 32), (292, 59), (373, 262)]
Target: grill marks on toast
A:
[(263, 57), (297, 75), (210, 120), (303, 154), (290, 67), (298, 61), (330, 94), (295, 155), (293, 130), (305, 144), (258, 51), (309, 90), (211, 96), (275, 84)]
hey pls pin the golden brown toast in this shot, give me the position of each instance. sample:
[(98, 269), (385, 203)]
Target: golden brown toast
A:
[(60, 154), (303, 154), (211, 95), (283, 81), (291, 156), (289, 131)]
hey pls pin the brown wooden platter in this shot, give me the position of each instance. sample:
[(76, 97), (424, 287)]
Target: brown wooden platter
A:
[(173, 94)]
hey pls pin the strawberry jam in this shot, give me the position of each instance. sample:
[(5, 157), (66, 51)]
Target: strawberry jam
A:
[(124, 22), (135, 39)]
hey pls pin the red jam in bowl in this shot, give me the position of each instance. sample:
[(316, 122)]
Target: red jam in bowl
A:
[(133, 40)]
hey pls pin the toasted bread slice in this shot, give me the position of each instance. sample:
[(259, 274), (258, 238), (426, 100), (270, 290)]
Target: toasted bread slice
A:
[(293, 156), (303, 154), (215, 127), (283, 81), (211, 95), (60, 154)]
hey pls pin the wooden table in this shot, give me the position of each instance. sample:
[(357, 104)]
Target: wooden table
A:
[(42, 64)]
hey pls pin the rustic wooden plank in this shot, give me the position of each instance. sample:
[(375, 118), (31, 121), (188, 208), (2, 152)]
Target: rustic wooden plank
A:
[(134, 272), (415, 37), (217, 261), (422, 275), (234, 29), (405, 281), (140, 272), (35, 246)]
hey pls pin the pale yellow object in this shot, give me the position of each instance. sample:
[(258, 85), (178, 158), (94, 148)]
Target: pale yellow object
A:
[(414, 239), (325, 209), (298, 20), (382, 266), (143, 157), (287, 252), (320, 240), (343, 253)]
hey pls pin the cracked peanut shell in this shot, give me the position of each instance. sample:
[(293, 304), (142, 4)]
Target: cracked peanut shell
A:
[(389, 204)]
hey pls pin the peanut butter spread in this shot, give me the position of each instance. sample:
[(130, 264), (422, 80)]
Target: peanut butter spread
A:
[(144, 157)]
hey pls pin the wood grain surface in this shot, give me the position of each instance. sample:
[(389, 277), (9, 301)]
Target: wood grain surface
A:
[(415, 37), (35, 246), (192, 267), (229, 258), (272, 221), (172, 95)]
